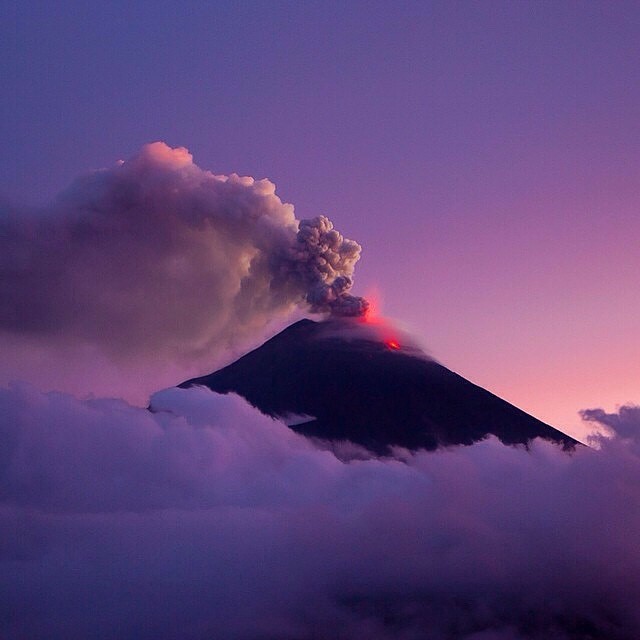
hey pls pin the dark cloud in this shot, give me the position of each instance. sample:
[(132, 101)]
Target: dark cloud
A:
[(624, 423), (156, 255), (209, 520)]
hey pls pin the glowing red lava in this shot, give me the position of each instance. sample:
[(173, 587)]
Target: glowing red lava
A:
[(392, 344)]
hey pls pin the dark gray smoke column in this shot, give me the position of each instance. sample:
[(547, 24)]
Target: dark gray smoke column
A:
[(156, 255), (326, 260)]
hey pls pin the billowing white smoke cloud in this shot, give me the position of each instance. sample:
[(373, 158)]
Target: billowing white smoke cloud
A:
[(209, 520), (156, 255)]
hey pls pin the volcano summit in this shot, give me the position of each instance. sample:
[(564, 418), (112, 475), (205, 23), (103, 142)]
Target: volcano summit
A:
[(360, 382)]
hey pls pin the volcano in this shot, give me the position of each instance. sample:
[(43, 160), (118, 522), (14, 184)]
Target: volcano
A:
[(347, 380)]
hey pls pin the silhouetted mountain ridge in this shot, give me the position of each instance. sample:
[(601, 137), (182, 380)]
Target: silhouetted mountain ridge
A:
[(374, 392)]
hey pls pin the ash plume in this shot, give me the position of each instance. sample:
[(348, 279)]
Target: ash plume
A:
[(156, 255), (325, 261)]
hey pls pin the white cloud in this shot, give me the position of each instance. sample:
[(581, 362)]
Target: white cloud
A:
[(208, 519)]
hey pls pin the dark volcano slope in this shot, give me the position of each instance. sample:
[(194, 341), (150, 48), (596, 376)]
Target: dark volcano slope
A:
[(360, 389)]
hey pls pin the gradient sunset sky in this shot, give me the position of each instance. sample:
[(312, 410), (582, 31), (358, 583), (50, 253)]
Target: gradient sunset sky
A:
[(485, 155)]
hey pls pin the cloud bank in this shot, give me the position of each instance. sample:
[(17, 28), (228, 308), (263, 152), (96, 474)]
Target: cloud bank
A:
[(209, 520), (156, 255)]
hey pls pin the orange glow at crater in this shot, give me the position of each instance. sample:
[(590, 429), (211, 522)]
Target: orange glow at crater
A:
[(372, 314), (392, 344)]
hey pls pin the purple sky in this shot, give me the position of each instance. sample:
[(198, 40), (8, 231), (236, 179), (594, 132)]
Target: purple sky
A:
[(485, 155)]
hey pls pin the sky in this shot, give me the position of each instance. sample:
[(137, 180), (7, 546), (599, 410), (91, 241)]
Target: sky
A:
[(484, 155)]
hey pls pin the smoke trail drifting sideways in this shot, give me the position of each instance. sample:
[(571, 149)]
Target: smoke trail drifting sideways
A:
[(158, 255)]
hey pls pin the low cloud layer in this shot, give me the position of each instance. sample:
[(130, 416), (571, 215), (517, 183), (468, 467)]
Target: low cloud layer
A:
[(156, 255), (209, 520)]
